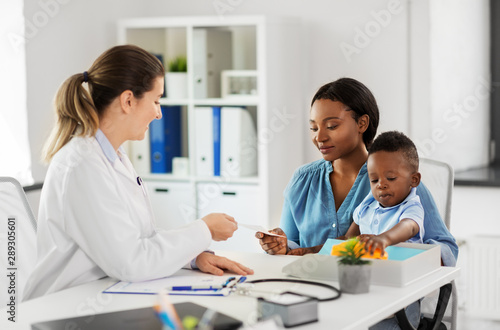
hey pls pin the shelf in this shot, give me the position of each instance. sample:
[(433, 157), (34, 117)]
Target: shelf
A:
[(166, 177), (224, 180), (488, 176), (167, 101), (233, 101), (248, 101), (214, 179), (250, 46)]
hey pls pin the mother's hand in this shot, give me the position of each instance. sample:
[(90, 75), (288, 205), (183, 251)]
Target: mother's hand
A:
[(273, 244), (307, 250)]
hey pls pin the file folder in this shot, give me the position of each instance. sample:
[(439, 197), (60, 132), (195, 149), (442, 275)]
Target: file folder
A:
[(216, 125), (207, 140), (165, 137), (238, 143), (212, 53)]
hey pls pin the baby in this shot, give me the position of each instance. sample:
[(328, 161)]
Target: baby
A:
[(392, 212)]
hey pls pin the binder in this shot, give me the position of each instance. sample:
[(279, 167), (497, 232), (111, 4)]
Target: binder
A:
[(160, 58), (165, 138), (238, 143), (212, 53), (216, 117), (207, 140)]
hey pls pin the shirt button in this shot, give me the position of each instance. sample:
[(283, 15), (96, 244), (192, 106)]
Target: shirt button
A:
[(333, 225), (376, 222)]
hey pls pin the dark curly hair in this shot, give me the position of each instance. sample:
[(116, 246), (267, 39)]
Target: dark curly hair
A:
[(394, 141), (357, 97)]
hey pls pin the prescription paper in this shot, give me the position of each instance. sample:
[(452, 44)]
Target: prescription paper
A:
[(258, 228), (154, 286)]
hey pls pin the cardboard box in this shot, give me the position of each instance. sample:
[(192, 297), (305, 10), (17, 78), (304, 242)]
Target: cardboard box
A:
[(407, 263)]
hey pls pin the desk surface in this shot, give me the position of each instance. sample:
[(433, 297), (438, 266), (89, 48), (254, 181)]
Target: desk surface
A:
[(348, 312)]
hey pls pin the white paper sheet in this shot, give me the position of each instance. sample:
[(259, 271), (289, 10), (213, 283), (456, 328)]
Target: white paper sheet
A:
[(154, 286), (258, 228)]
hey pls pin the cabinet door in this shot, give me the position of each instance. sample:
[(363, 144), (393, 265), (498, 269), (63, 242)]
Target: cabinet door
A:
[(173, 203), (240, 202)]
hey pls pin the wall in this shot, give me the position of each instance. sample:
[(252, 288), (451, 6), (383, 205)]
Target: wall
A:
[(14, 158), (76, 32), (404, 51), (460, 88), (474, 212)]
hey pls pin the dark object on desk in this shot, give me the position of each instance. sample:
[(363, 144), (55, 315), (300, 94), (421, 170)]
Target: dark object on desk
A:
[(293, 309), (142, 318)]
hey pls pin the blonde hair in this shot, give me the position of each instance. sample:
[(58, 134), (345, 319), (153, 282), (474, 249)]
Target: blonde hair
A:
[(118, 69)]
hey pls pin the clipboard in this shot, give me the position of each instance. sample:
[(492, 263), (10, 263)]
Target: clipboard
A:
[(221, 286)]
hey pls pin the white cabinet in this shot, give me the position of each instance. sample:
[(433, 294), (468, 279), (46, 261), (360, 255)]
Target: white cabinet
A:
[(173, 203), (267, 53), (239, 201)]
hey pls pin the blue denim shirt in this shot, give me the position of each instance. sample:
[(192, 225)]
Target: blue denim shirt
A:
[(309, 217)]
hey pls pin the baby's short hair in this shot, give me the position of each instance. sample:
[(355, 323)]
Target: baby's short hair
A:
[(394, 141)]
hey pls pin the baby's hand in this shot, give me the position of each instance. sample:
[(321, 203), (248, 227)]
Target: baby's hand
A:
[(364, 237), (373, 242)]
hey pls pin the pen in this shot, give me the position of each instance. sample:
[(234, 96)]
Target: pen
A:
[(139, 182), (233, 282), (194, 287), (166, 320), (228, 281)]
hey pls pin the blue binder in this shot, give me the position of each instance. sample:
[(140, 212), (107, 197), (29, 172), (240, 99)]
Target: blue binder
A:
[(216, 138), (160, 58), (165, 137)]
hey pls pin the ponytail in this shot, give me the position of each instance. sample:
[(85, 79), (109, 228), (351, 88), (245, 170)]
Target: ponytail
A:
[(76, 115), (78, 110)]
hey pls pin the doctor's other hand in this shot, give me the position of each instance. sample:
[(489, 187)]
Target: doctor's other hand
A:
[(212, 264), (273, 244), (221, 225)]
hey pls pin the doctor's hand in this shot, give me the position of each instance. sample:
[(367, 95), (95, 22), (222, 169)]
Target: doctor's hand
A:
[(273, 244), (212, 264), (221, 225)]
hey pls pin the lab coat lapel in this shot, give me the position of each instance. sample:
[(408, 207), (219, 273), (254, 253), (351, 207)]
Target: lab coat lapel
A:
[(126, 171)]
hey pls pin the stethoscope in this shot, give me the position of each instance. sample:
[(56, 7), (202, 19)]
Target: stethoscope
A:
[(248, 288)]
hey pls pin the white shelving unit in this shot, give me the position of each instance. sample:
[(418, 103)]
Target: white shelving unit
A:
[(268, 45)]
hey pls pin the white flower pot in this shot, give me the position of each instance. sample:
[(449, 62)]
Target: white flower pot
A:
[(176, 85), (354, 278)]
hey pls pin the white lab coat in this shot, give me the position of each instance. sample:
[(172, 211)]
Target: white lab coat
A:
[(96, 221)]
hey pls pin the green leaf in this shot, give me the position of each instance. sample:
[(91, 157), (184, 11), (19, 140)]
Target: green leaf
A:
[(179, 64), (352, 252)]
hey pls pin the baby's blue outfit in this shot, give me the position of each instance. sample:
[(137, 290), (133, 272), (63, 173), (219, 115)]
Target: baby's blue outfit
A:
[(309, 217), (373, 218)]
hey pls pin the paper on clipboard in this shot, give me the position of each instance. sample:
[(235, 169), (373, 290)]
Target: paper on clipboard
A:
[(258, 228), (154, 286)]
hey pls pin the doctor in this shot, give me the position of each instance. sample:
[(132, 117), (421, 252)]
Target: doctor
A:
[(95, 218)]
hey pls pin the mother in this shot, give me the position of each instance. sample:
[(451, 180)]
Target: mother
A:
[(321, 196)]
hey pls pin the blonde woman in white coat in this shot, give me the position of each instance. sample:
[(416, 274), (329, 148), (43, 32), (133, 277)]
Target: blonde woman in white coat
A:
[(95, 219)]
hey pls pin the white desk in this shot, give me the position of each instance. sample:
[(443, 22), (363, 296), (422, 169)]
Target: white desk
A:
[(348, 312)]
